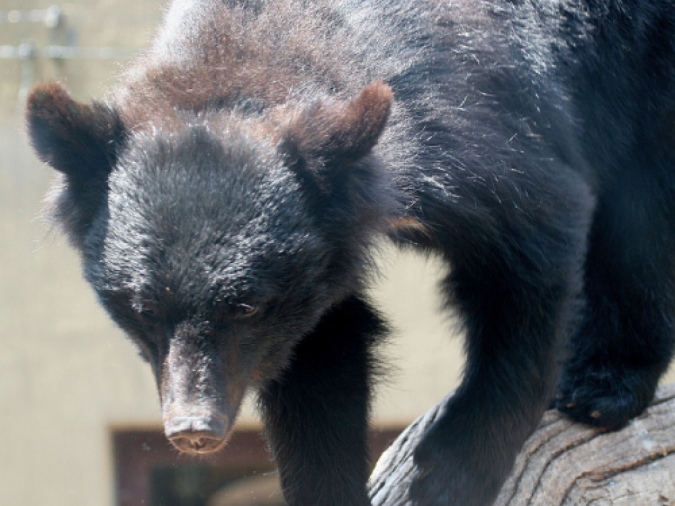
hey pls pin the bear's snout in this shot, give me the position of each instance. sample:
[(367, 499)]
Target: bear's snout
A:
[(197, 434)]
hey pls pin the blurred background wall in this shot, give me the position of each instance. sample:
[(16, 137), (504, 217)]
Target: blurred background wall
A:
[(77, 407)]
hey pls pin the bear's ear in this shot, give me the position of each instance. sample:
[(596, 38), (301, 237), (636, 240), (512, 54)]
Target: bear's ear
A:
[(82, 142), (79, 140), (328, 136)]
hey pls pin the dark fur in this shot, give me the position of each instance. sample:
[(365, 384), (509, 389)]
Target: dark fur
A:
[(226, 196)]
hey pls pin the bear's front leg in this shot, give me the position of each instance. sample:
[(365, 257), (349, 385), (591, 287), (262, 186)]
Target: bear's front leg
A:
[(316, 414), (467, 453), (517, 316), (626, 338)]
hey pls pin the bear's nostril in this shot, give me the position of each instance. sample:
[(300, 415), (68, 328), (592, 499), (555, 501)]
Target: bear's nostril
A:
[(196, 434), (191, 442)]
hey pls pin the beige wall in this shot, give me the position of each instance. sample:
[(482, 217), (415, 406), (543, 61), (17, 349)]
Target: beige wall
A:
[(66, 374)]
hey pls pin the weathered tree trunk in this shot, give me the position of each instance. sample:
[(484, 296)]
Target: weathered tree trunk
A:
[(565, 463)]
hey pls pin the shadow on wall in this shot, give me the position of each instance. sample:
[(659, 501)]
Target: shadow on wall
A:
[(256, 491), (150, 471)]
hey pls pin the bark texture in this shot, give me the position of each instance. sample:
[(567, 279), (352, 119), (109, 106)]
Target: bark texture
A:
[(564, 463)]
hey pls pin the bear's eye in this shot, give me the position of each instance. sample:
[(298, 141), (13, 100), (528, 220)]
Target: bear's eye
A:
[(148, 311), (245, 310)]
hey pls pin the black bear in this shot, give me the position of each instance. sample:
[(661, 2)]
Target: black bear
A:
[(226, 196)]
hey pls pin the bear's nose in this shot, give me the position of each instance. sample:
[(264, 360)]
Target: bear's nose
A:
[(196, 434)]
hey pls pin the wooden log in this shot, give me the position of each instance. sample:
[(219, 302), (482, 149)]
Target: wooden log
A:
[(564, 463)]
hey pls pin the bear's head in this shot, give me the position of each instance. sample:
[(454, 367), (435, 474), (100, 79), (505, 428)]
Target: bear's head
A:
[(218, 242)]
